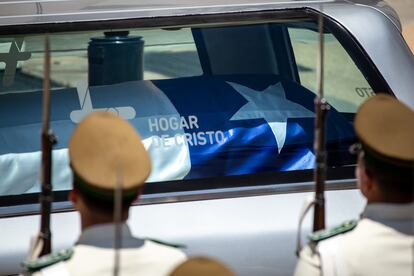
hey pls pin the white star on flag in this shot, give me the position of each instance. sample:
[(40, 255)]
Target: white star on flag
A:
[(270, 104)]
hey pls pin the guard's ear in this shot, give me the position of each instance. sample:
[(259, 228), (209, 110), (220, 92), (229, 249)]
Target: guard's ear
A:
[(364, 177), (137, 197), (367, 183), (74, 196)]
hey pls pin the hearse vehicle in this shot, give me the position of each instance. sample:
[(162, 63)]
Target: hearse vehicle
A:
[(222, 93)]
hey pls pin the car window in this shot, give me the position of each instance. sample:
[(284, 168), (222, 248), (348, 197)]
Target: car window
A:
[(208, 102), (70, 57), (345, 86)]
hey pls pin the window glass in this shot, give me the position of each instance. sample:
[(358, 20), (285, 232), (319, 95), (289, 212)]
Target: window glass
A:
[(204, 105), (345, 86)]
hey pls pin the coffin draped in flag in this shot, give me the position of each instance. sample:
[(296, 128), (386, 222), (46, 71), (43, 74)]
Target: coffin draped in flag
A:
[(196, 127)]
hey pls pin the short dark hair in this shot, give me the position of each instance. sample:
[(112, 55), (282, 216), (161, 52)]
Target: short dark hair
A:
[(103, 205), (396, 183)]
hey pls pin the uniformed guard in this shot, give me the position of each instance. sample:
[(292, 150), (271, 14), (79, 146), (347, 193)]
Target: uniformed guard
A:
[(202, 266), (106, 152), (382, 241)]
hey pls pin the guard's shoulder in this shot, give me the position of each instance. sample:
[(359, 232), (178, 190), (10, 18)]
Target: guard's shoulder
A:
[(328, 233), (48, 260), (175, 245)]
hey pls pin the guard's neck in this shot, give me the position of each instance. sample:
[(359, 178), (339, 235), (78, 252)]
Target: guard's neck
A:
[(91, 219)]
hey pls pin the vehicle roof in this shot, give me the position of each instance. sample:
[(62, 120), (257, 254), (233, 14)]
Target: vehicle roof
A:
[(18, 12)]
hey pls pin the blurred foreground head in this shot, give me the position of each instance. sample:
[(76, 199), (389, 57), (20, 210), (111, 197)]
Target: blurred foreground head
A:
[(385, 129), (202, 266), (105, 151)]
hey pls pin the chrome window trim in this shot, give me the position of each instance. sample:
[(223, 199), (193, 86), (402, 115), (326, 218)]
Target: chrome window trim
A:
[(34, 13)]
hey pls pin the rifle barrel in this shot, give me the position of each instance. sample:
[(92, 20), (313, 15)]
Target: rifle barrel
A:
[(321, 107), (46, 167)]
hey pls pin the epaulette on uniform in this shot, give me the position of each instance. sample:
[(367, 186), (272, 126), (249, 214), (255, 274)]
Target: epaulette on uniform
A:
[(48, 260), (328, 233), (175, 245)]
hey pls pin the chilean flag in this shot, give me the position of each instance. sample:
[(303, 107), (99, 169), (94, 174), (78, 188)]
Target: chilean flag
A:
[(195, 127)]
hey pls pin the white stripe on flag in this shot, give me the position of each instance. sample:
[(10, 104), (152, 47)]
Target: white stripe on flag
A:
[(20, 171)]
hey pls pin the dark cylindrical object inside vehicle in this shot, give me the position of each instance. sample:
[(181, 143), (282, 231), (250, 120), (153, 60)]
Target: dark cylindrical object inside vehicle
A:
[(114, 58)]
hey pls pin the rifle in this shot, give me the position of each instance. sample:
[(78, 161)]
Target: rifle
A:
[(43, 244), (321, 109), (117, 222)]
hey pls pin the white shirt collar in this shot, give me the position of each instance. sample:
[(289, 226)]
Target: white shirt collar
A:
[(103, 235), (399, 217), (387, 211)]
